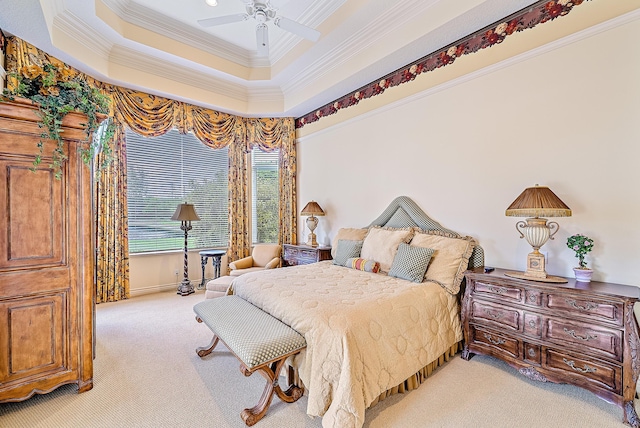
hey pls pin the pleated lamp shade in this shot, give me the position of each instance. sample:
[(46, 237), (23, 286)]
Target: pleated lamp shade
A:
[(312, 209), (538, 201), (185, 212)]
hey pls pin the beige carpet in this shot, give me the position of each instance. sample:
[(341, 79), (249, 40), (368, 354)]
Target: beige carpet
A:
[(147, 374)]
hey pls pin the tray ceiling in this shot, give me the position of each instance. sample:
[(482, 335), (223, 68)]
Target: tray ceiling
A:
[(157, 45)]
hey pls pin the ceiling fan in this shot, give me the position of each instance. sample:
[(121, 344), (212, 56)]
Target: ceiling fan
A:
[(262, 12)]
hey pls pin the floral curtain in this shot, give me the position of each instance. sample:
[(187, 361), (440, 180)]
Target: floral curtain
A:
[(112, 228), (269, 135), (151, 115)]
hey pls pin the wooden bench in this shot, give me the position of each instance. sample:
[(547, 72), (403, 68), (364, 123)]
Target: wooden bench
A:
[(261, 342)]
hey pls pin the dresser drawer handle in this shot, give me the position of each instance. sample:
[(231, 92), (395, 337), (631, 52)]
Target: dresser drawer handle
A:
[(532, 323), (532, 353), (586, 368), (573, 334), (586, 307), (495, 342), (497, 290), (494, 315)]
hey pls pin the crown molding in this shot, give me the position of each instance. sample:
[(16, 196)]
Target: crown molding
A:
[(147, 64), (153, 21), (75, 28), (313, 16), (343, 52)]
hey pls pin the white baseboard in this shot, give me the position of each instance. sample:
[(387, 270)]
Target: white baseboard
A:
[(133, 292)]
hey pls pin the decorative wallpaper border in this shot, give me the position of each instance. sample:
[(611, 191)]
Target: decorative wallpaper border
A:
[(537, 13)]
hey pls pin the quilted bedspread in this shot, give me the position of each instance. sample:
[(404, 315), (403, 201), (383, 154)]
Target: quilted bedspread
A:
[(365, 332)]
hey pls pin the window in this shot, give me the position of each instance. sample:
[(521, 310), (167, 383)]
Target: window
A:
[(165, 171), (265, 196)]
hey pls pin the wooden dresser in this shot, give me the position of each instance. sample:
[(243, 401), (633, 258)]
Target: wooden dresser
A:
[(46, 260), (293, 255), (584, 334)]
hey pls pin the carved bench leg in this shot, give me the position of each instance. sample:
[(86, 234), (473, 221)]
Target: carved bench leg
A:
[(206, 350), (257, 412)]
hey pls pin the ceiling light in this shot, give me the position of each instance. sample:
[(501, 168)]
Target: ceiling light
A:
[(211, 2)]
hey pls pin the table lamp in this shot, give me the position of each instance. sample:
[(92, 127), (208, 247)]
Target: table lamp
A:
[(537, 202), (312, 209), (186, 214)]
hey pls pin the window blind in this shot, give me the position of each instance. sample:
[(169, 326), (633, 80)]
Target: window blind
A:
[(168, 170)]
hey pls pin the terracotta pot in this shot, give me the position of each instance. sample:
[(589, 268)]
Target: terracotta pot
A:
[(583, 274)]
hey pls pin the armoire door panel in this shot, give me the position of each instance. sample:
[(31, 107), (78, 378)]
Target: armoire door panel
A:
[(36, 334), (34, 218)]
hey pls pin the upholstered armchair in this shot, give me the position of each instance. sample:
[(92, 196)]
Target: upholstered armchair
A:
[(263, 256)]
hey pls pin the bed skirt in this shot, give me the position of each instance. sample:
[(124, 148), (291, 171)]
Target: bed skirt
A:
[(413, 382), (417, 378)]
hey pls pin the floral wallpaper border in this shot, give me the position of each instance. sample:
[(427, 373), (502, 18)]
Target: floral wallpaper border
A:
[(529, 17)]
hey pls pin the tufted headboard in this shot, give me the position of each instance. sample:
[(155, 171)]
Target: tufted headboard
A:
[(403, 212)]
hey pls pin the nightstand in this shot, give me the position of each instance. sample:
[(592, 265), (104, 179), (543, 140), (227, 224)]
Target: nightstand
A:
[(581, 333), (303, 254)]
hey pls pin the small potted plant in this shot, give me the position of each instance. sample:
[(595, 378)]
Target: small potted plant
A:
[(581, 245)]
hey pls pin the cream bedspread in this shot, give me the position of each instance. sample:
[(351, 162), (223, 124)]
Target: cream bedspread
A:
[(365, 332)]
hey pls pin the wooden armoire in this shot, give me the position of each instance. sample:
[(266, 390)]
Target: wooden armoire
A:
[(46, 260)]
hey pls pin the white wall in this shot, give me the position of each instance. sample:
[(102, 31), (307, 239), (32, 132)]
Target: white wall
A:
[(567, 118), (153, 272)]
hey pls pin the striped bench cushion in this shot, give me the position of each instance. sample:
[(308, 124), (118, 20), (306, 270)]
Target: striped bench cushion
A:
[(252, 334)]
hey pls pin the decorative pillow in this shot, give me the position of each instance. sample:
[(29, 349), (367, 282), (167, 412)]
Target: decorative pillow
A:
[(399, 219), (381, 244), (346, 249), (349, 233), (363, 264), (411, 263), (450, 259)]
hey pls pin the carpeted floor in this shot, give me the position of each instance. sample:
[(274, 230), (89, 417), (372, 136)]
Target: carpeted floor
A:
[(147, 374)]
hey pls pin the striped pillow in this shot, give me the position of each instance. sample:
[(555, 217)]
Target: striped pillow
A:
[(363, 264)]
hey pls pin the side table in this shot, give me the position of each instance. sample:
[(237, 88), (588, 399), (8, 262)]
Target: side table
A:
[(216, 256)]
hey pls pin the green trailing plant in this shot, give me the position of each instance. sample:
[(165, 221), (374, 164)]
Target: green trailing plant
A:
[(581, 245), (57, 92)]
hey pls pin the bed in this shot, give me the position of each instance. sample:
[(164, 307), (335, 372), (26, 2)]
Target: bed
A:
[(370, 334)]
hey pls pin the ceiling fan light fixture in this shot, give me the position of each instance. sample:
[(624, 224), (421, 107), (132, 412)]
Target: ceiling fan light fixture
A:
[(263, 11), (212, 3), (262, 39)]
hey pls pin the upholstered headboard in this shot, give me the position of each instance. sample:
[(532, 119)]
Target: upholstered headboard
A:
[(403, 212)]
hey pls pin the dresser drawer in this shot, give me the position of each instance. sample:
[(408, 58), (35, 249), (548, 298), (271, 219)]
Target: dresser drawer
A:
[(504, 316), (592, 308), (307, 256), (301, 254), (584, 337), (580, 368), (498, 291), (502, 343)]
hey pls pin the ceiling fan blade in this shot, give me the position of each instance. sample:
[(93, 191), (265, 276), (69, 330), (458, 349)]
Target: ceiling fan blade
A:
[(221, 20), (262, 40), (297, 28)]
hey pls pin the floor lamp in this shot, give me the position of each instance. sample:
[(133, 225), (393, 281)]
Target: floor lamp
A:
[(186, 214)]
